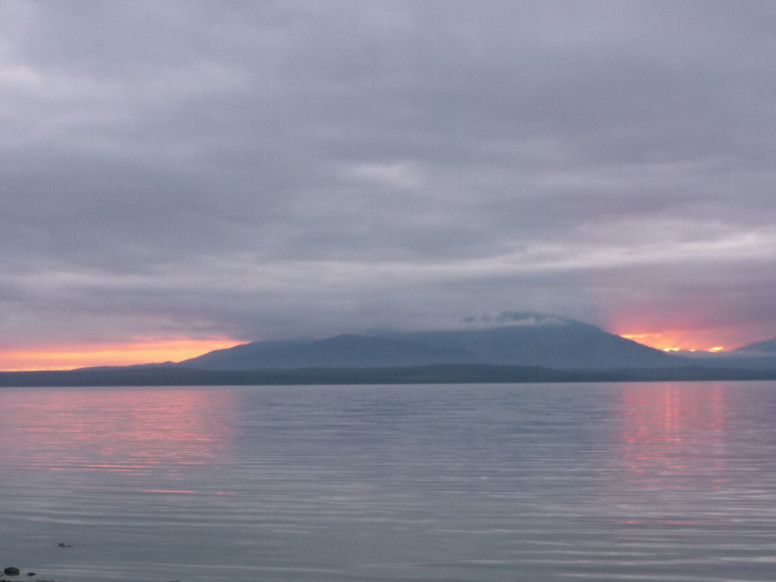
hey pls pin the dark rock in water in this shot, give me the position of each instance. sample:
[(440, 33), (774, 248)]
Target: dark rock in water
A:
[(11, 571)]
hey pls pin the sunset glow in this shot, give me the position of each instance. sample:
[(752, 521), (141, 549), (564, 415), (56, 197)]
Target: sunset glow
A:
[(117, 354), (673, 341)]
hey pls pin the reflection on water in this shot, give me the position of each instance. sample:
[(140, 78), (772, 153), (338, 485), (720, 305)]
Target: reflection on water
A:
[(467, 483), (129, 431), (673, 435)]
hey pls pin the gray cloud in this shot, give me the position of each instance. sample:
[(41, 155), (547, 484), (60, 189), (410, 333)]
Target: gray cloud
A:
[(267, 169)]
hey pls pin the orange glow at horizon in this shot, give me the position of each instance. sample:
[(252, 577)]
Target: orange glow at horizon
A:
[(673, 341), (115, 354)]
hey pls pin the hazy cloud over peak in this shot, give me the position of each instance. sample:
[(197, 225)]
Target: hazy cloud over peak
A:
[(272, 169)]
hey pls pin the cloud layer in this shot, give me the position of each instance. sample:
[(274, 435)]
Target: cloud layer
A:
[(273, 169)]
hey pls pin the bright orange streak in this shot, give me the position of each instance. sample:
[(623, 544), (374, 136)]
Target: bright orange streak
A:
[(140, 352), (673, 341)]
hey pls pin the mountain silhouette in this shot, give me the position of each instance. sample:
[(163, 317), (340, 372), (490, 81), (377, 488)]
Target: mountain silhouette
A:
[(343, 351), (559, 343), (540, 341), (763, 347)]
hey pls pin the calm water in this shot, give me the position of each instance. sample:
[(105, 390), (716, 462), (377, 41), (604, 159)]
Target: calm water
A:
[(662, 481)]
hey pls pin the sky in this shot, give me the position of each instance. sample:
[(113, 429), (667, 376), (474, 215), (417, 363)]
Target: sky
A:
[(186, 175)]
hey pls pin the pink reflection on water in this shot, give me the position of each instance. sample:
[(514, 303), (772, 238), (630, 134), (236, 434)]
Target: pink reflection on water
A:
[(116, 430), (673, 434), (186, 492)]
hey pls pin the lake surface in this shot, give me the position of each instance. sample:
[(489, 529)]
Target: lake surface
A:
[(480, 483)]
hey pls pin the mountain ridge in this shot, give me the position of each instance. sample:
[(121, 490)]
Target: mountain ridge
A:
[(546, 342), (762, 347)]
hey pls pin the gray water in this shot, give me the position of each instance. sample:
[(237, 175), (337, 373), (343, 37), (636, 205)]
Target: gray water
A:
[(653, 481)]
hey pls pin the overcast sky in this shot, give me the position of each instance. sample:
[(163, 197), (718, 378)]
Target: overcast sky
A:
[(251, 170)]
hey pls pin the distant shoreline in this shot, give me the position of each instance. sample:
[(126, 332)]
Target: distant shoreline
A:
[(434, 374)]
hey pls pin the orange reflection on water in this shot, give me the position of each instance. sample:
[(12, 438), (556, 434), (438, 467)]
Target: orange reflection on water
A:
[(117, 430), (673, 434)]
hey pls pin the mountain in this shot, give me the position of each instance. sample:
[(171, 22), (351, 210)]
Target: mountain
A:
[(549, 342), (763, 347), (343, 351), (546, 341), (756, 356)]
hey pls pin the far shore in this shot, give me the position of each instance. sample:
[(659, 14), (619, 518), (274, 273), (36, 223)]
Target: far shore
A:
[(432, 374)]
